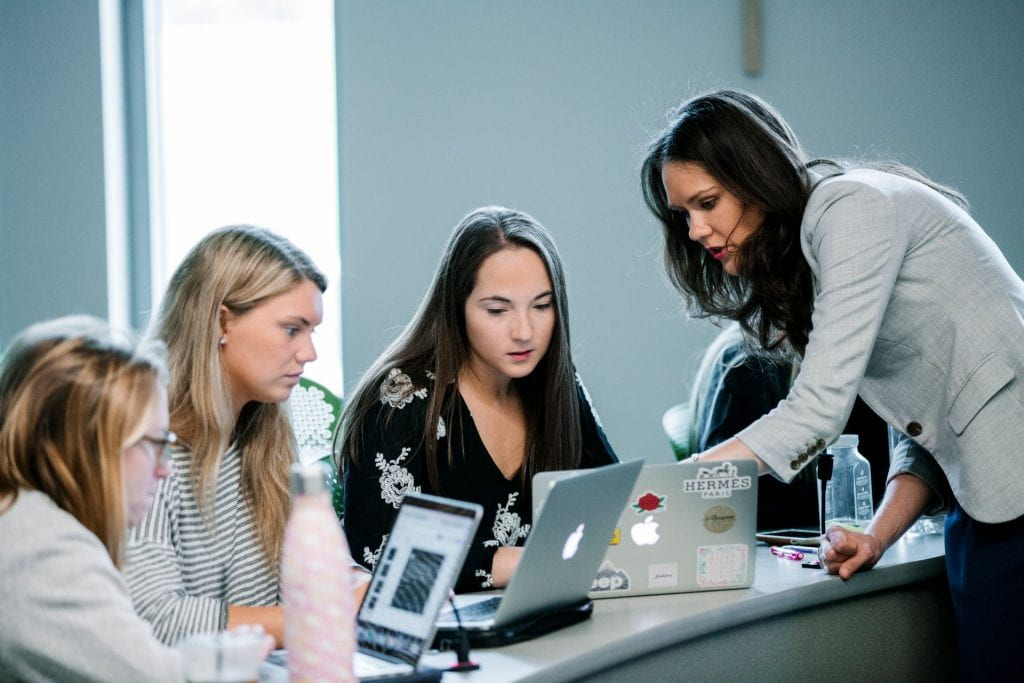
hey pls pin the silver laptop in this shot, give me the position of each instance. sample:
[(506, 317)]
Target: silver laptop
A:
[(414, 576), (686, 527), (560, 556)]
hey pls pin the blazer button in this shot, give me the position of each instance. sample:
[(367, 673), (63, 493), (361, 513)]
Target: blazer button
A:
[(795, 465), (914, 429)]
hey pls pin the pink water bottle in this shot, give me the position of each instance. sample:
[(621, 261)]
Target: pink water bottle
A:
[(319, 614)]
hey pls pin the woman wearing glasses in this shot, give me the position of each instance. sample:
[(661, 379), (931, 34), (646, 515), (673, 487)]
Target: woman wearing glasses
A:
[(83, 428), (237, 319)]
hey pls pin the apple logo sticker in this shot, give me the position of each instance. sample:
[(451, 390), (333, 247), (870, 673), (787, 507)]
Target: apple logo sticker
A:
[(572, 543), (645, 532)]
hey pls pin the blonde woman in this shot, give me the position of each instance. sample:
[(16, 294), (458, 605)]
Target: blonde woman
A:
[(237, 319), (83, 433)]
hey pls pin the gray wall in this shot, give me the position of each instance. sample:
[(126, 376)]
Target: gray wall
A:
[(446, 105), (545, 106), (53, 256)]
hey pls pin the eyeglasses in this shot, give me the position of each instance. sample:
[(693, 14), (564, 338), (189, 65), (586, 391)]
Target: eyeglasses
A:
[(162, 446)]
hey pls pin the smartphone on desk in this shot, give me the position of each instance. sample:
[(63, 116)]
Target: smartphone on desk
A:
[(790, 536)]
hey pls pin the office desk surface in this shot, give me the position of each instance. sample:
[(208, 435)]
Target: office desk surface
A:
[(716, 631)]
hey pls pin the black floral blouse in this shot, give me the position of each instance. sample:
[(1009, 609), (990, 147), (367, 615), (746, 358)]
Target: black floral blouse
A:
[(391, 465)]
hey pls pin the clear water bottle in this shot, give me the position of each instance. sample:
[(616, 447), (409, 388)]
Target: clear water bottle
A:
[(319, 612), (848, 495)]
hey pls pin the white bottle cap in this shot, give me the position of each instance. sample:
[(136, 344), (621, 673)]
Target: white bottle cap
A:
[(845, 441)]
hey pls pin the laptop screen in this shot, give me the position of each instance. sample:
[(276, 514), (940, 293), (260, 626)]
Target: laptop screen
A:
[(414, 575)]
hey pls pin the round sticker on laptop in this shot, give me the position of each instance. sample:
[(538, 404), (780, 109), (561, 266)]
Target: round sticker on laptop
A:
[(719, 519)]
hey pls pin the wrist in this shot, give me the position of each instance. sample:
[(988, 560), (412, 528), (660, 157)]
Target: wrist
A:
[(882, 537)]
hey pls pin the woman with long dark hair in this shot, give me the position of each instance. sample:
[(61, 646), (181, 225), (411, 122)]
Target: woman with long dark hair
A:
[(476, 395), (884, 286)]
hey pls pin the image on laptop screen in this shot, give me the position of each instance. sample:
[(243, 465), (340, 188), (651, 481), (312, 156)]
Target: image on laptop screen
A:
[(418, 578), (417, 568)]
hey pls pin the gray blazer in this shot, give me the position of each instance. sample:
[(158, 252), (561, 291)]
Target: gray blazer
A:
[(918, 311)]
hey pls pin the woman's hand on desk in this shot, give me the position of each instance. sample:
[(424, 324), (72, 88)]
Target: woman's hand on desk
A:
[(270, 619), (844, 552), (506, 559), (360, 584)]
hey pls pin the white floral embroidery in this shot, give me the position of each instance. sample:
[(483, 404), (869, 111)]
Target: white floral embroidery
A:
[(488, 580), (441, 429), (372, 557), (507, 527), (429, 374), (397, 389), (395, 480), (586, 395)]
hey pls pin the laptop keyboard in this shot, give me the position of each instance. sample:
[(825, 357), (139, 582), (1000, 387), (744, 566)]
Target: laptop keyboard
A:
[(480, 610), (367, 666)]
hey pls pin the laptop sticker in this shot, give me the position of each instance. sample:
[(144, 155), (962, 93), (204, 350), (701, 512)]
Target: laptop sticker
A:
[(719, 518), (609, 578), (721, 566), (649, 502), (645, 532), (663, 575), (717, 482), (616, 537)]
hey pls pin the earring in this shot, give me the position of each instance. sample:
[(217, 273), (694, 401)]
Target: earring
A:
[(223, 339)]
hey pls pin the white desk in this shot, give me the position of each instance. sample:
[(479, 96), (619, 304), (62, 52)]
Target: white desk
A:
[(891, 623)]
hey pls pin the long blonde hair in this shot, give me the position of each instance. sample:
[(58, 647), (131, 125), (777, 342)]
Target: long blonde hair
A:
[(72, 398), (238, 267)]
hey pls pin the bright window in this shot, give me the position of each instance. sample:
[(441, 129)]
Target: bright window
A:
[(245, 132)]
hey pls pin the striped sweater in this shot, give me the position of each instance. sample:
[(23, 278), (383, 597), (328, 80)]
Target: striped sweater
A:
[(181, 573)]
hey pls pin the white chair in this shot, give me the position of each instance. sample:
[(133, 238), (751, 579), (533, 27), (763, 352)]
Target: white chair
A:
[(676, 423), (315, 412)]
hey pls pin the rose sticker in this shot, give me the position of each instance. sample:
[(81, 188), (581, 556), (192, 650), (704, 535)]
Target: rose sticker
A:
[(649, 502)]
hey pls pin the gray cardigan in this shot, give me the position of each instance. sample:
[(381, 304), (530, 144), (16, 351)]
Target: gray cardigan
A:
[(65, 613), (917, 310)]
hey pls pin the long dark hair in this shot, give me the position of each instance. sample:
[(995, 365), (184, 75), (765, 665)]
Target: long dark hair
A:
[(435, 342), (748, 147)]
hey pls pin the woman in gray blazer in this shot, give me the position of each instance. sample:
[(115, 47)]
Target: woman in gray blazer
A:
[(883, 286)]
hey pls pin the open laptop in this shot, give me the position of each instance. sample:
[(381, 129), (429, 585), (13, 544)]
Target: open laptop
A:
[(414, 576), (686, 527), (561, 554)]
